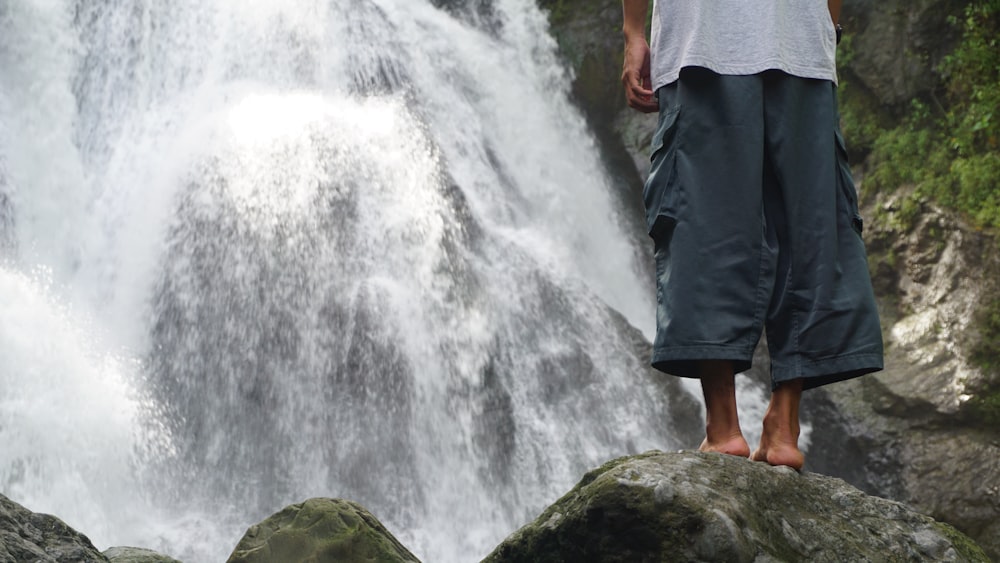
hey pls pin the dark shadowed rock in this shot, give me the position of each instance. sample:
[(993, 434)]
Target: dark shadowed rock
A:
[(898, 45), (136, 555), (40, 538), (692, 506), (320, 529)]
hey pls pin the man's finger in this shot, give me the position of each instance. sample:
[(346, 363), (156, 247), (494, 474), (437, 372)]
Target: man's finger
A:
[(638, 96)]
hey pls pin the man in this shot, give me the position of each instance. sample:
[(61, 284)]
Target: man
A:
[(751, 206)]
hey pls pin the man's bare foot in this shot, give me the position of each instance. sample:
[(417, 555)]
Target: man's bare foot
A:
[(779, 441), (780, 454), (722, 422), (735, 445)]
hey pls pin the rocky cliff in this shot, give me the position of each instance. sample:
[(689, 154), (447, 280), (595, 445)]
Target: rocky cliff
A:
[(926, 431)]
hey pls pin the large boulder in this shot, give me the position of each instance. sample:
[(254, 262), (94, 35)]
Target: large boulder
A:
[(693, 506), (320, 529), (40, 538)]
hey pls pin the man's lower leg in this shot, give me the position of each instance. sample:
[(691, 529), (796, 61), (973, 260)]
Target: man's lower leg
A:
[(722, 424), (779, 440)]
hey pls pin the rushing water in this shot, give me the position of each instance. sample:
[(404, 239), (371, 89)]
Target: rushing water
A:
[(258, 251)]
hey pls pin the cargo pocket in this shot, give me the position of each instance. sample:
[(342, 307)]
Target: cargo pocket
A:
[(659, 193), (846, 182)]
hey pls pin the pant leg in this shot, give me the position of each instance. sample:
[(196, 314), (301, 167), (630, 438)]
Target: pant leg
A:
[(822, 322), (704, 211)]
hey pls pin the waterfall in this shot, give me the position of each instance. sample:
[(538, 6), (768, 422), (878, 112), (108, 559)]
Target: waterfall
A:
[(255, 252)]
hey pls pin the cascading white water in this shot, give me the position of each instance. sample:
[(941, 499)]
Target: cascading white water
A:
[(262, 251)]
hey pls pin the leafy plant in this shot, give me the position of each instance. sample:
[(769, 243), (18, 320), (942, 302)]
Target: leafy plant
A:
[(951, 154)]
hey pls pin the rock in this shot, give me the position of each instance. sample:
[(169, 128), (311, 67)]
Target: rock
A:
[(136, 555), (693, 506), (320, 529), (40, 538), (921, 421), (939, 273), (897, 46)]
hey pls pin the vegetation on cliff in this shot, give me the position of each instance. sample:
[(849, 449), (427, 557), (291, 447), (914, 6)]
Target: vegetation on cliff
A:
[(947, 147)]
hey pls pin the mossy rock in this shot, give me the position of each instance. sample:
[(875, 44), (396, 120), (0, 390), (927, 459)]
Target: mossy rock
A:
[(136, 555), (695, 506), (320, 530)]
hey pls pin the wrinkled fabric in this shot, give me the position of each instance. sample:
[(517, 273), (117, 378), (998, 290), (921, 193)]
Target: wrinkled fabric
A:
[(736, 37), (755, 222)]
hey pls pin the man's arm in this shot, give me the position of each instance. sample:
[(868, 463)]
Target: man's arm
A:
[(635, 69), (834, 6)]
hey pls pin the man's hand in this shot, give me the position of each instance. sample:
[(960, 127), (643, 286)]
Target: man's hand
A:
[(635, 76), (635, 70)]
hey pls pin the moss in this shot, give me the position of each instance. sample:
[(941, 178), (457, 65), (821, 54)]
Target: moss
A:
[(608, 466), (985, 409), (682, 510), (986, 352), (862, 116), (627, 523), (950, 151), (323, 530), (967, 549), (943, 151)]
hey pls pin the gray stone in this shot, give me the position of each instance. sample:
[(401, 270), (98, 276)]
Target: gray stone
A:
[(918, 420), (40, 538), (124, 554), (694, 506), (898, 44), (320, 529)]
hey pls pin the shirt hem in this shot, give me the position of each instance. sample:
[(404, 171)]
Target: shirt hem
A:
[(818, 73)]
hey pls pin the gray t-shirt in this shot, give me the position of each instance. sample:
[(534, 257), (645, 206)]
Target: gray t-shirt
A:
[(743, 37)]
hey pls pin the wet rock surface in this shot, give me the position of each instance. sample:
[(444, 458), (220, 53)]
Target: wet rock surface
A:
[(136, 555), (41, 538), (693, 506), (320, 529)]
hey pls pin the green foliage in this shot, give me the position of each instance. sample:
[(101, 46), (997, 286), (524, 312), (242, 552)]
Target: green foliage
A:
[(986, 353), (950, 151), (985, 410), (947, 148), (860, 114)]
